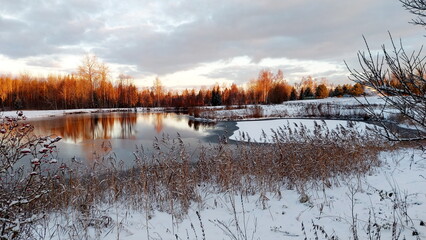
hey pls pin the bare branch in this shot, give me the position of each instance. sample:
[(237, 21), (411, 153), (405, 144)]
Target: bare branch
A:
[(399, 77)]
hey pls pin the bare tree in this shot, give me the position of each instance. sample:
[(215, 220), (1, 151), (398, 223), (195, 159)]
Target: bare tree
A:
[(418, 8), (158, 90), (399, 77), (104, 72), (124, 84), (89, 71)]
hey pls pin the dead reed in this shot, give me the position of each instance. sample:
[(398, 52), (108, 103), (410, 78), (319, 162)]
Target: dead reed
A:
[(169, 179)]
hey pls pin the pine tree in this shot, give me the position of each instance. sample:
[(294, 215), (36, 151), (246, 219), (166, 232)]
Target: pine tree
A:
[(216, 96), (293, 94)]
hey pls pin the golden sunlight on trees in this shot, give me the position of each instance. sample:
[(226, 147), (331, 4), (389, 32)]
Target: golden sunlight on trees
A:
[(127, 91), (357, 89), (158, 90), (279, 92), (269, 88), (93, 86), (321, 91), (263, 85), (88, 71)]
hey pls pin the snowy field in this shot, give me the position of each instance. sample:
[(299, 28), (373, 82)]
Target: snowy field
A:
[(262, 130), (390, 199), (345, 108)]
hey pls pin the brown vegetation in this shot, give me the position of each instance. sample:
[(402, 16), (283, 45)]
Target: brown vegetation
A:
[(170, 178), (92, 87)]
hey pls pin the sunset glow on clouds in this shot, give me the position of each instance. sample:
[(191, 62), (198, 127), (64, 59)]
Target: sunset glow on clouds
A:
[(197, 43)]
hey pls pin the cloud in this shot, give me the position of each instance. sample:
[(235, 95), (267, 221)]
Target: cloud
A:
[(241, 69), (172, 38), (49, 62)]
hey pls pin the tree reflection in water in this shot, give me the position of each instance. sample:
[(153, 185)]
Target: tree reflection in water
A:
[(158, 124), (91, 136), (80, 128), (196, 124)]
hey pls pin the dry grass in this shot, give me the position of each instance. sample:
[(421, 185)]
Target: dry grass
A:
[(255, 112), (169, 179), (194, 111), (305, 110), (335, 111)]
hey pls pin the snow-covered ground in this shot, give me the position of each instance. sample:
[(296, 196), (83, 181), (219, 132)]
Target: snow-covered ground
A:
[(351, 108), (261, 131), (346, 100), (391, 198)]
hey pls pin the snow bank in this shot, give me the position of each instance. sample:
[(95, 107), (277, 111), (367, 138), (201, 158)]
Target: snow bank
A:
[(346, 108), (55, 113)]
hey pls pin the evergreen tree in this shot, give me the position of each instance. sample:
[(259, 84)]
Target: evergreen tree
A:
[(216, 96), (307, 93), (338, 91), (293, 94), (301, 94)]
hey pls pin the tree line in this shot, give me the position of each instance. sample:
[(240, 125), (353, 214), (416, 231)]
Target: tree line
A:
[(92, 87)]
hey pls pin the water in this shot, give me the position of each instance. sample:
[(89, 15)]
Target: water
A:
[(87, 136)]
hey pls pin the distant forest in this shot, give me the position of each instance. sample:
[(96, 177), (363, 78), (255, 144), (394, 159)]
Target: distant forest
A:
[(91, 87)]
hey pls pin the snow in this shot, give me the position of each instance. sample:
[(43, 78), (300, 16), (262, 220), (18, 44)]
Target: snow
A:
[(262, 130), (346, 100), (55, 113), (391, 193), (291, 108), (43, 150), (25, 150), (335, 107), (339, 107), (35, 161), (384, 195)]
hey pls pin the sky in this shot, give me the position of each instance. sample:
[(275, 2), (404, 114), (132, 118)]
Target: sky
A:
[(199, 42)]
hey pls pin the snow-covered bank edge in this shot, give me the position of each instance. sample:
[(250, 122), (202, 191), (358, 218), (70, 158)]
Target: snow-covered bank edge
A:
[(339, 109), (31, 114), (289, 109), (328, 108)]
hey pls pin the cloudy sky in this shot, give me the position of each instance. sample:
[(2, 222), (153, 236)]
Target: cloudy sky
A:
[(198, 42)]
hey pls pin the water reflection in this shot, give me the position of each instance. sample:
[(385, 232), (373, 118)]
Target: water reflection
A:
[(79, 128), (158, 125), (197, 124), (86, 135)]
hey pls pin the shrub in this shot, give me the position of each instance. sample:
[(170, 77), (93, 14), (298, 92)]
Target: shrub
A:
[(256, 112), (25, 177)]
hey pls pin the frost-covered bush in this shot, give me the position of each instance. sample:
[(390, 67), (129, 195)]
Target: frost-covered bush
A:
[(27, 166)]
